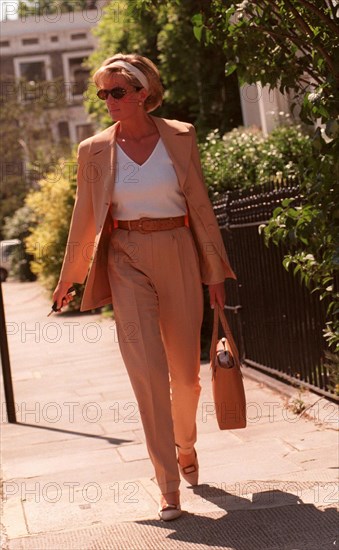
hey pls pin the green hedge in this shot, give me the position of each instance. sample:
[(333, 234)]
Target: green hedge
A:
[(244, 158), (51, 207)]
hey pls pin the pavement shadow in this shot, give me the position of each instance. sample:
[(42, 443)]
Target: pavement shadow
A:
[(111, 440), (274, 520)]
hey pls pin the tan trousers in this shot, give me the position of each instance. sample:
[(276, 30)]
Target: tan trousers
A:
[(158, 305)]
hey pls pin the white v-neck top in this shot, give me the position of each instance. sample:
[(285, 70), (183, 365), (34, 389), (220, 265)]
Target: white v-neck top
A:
[(147, 190)]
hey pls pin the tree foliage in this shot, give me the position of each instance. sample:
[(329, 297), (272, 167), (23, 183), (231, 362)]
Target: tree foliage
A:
[(293, 45), (27, 146), (289, 44), (51, 207), (193, 74)]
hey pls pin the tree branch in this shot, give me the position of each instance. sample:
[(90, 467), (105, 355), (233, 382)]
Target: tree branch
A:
[(296, 42), (300, 22), (327, 20), (299, 19), (306, 29), (332, 7)]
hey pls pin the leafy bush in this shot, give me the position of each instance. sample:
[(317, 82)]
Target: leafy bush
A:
[(51, 206), (311, 232), (285, 153), (229, 162), (244, 157), (17, 227)]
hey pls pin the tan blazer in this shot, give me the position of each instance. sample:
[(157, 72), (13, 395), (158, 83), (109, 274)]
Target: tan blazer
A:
[(91, 224)]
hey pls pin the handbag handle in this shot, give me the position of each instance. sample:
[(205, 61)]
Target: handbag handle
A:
[(220, 314)]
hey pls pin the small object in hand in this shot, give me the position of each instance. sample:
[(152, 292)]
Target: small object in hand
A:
[(70, 292), (224, 356)]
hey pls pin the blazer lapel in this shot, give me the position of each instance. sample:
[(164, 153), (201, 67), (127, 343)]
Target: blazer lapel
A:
[(102, 156), (178, 142), (112, 162)]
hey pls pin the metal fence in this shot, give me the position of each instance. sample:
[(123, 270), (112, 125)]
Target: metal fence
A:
[(279, 323)]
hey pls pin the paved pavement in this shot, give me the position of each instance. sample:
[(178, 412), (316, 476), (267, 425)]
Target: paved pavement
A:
[(75, 469)]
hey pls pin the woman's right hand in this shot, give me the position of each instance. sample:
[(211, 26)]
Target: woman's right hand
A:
[(60, 295)]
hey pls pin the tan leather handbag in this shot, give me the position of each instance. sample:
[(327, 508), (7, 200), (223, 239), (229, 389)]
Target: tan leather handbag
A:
[(227, 379)]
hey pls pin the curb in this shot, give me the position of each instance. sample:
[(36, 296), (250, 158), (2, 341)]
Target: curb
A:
[(320, 409)]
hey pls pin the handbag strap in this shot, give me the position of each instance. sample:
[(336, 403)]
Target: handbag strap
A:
[(220, 314)]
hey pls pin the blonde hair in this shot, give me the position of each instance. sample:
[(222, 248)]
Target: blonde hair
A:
[(146, 66)]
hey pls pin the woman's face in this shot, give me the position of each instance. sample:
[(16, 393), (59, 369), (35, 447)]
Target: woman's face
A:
[(128, 105)]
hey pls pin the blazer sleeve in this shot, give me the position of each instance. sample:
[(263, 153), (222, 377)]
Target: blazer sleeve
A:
[(81, 237), (214, 262)]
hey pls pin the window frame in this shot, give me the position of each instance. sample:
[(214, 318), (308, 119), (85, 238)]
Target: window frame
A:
[(67, 76), (32, 59)]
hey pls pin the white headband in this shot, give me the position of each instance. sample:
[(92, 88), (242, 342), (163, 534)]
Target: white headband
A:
[(131, 69)]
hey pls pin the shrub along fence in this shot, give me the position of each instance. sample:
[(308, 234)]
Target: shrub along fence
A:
[(277, 321)]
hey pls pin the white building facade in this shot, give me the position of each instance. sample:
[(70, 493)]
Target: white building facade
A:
[(53, 47)]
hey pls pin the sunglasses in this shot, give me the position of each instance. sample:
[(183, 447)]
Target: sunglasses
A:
[(117, 93)]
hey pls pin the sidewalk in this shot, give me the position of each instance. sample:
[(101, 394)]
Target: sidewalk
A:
[(76, 471)]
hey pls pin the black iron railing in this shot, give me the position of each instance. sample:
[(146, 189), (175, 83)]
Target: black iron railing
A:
[(281, 321)]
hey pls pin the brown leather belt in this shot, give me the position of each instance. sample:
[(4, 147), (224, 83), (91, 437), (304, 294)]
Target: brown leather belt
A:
[(146, 225)]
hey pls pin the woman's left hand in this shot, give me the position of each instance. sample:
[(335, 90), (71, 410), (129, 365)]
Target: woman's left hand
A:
[(217, 294)]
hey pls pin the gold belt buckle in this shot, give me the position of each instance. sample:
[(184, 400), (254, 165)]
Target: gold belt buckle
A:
[(141, 225)]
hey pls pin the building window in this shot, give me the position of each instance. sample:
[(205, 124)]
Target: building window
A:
[(54, 39), (78, 75), (75, 75), (83, 131), (63, 130), (79, 36), (4, 43), (33, 70), (29, 41)]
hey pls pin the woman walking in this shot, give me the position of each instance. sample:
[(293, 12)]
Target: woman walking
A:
[(144, 233)]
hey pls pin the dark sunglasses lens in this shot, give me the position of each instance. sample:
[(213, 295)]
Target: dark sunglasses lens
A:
[(102, 94), (117, 93)]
